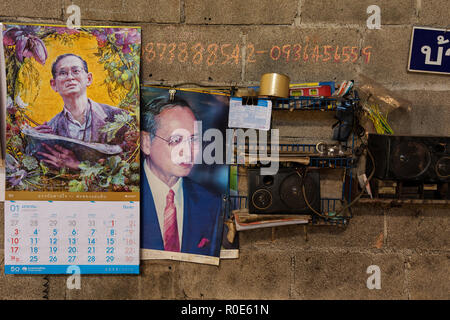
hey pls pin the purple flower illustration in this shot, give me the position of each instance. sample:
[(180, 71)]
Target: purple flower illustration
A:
[(102, 35), (127, 37), (63, 30), (27, 44), (124, 37), (17, 177)]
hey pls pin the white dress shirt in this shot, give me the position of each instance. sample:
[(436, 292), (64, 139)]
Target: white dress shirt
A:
[(159, 192), (77, 130)]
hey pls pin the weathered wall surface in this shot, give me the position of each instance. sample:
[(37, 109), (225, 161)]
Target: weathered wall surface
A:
[(234, 43)]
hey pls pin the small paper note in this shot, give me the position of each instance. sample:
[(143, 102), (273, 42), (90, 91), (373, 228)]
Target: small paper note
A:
[(251, 116)]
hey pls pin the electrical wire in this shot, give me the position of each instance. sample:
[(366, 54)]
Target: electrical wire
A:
[(346, 206)]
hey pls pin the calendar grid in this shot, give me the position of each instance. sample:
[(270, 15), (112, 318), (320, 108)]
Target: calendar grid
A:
[(47, 237)]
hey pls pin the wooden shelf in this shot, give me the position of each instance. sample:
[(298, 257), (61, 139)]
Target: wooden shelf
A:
[(405, 201)]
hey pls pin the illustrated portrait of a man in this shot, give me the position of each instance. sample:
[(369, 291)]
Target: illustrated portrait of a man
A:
[(177, 214), (81, 117)]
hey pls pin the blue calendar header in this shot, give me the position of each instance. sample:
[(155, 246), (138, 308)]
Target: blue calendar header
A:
[(430, 50)]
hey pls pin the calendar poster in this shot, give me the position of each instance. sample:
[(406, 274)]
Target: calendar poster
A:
[(185, 178), (72, 148)]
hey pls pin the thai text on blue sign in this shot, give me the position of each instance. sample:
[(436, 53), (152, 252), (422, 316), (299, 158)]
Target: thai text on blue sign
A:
[(430, 50)]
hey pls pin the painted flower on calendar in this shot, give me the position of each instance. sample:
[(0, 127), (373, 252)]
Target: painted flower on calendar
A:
[(16, 178), (102, 36), (28, 45), (126, 38), (64, 31), (122, 38)]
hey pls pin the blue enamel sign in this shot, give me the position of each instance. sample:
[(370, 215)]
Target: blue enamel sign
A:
[(430, 50)]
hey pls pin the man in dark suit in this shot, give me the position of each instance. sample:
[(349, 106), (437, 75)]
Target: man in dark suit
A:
[(178, 215)]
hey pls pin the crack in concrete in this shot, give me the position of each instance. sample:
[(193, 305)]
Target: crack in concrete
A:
[(407, 266), (182, 12), (243, 37), (385, 228), (292, 292), (340, 250)]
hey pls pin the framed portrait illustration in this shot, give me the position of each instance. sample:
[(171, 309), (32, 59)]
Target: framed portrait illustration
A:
[(184, 177), (72, 148), (71, 110)]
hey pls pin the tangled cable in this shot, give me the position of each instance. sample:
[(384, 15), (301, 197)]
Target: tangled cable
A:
[(347, 206)]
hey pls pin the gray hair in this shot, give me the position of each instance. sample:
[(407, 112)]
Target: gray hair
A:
[(59, 58), (153, 109)]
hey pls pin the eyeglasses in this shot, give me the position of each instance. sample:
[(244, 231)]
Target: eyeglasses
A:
[(177, 139), (64, 74)]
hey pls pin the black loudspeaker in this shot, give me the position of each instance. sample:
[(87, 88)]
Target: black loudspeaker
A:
[(410, 158), (282, 193)]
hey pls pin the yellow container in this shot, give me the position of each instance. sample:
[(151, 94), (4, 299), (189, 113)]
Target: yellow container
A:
[(274, 85)]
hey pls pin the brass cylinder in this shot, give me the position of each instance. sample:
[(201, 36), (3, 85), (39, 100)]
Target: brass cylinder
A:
[(274, 85)]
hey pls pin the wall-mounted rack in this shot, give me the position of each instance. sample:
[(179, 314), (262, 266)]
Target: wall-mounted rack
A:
[(330, 207)]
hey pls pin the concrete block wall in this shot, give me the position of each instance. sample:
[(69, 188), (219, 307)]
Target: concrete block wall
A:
[(233, 43)]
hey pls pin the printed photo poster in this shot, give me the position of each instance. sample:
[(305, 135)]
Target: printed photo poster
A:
[(72, 141), (2, 122), (184, 175), (230, 237)]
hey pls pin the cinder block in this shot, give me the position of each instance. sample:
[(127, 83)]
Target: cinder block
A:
[(434, 13), (418, 227), (343, 275), (57, 286), (160, 279), (389, 56), (250, 239), (104, 287), (430, 114), (31, 9), (238, 12), (428, 277), (165, 11), (364, 231), (2, 225), (257, 274), (204, 54), (303, 54), (355, 12), (20, 287), (403, 121), (303, 127)]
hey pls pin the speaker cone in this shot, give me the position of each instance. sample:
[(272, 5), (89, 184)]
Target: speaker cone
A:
[(292, 195), (410, 160), (262, 199), (443, 167)]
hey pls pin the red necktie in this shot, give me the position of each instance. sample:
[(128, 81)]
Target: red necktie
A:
[(171, 240)]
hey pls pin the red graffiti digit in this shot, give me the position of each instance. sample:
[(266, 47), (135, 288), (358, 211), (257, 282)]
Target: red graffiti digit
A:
[(366, 52), (150, 52), (287, 51), (277, 56), (297, 51), (326, 53), (212, 50)]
